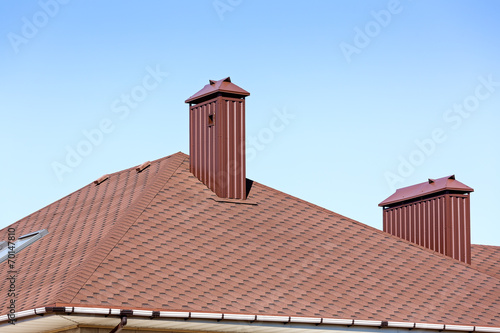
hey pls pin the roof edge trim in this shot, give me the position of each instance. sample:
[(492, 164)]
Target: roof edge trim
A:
[(246, 317)]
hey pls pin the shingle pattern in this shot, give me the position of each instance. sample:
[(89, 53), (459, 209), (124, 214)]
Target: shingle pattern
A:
[(160, 240), (486, 258)]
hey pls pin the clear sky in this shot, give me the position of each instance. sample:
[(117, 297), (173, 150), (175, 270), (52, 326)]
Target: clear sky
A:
[(349, 99)]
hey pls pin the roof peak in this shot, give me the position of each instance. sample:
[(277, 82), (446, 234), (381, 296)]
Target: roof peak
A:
[(218, 83)]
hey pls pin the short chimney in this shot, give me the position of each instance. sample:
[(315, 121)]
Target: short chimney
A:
[(434, 214), (217, 138)]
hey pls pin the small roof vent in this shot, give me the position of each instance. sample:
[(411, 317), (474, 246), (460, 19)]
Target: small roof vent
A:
[(101, 180), (143, 166)]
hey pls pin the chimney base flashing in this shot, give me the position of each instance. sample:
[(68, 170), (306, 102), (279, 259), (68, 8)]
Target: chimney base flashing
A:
[(236, 201)]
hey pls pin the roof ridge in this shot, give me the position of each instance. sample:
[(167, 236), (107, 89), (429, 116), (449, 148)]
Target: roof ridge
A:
[(331, 212), (89, 184), (179, 153), (117, 232), (484, 257), (399, 239), (486, 245)]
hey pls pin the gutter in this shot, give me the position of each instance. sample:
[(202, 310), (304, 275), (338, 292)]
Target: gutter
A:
[(123, 314)]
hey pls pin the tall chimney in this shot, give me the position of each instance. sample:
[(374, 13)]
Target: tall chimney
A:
[(217, 138), (434, 214)]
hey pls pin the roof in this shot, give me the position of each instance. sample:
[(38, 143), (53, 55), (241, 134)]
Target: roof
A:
[(224, 85), (486, 258), (161, 240), (429, 187)]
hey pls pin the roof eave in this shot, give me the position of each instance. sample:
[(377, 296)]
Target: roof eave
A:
[(215, 320)]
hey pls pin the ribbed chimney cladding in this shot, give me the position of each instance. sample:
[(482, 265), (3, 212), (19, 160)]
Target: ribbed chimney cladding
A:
[(217, 138), (434, 214)]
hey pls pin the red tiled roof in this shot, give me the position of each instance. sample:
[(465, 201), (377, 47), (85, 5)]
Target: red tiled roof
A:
[(486, 258), (159, 240), (425, 188)]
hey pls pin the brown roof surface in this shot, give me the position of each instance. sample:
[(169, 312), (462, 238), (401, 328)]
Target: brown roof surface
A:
[(224, 85), (486, 258), (425, 188), (160, 240)]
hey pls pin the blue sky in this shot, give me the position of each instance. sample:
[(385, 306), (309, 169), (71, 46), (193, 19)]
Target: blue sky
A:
[(372, 95)]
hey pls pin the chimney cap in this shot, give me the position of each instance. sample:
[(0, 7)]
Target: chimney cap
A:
[(425, 188), (224, 86)]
